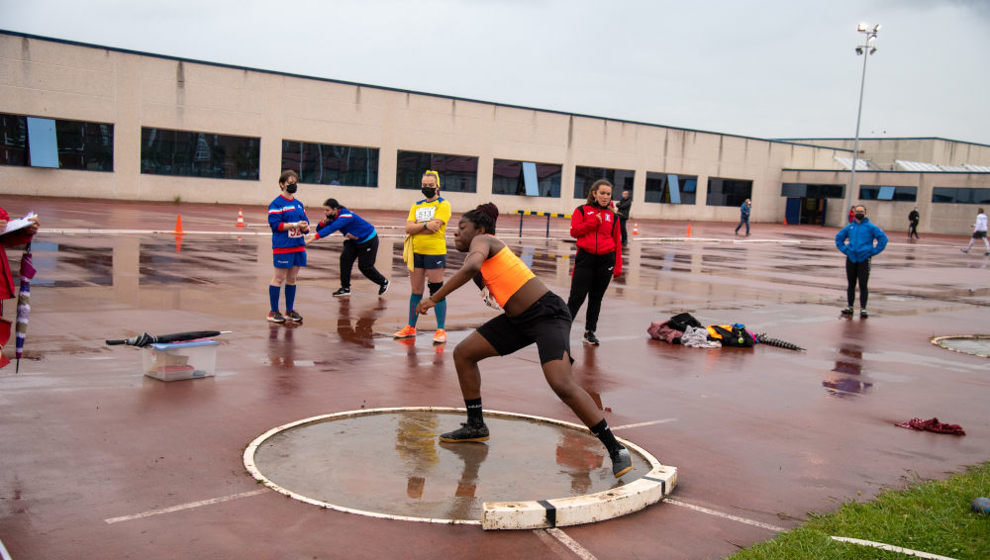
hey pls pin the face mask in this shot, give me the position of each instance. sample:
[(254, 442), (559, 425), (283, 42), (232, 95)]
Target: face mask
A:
[(429, 192), (291, 189), (859, 216)]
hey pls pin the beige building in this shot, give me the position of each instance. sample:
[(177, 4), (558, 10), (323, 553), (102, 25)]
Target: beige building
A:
[(90, 121)]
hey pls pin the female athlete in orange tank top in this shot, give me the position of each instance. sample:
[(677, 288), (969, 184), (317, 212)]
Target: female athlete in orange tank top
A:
[(532, 314)]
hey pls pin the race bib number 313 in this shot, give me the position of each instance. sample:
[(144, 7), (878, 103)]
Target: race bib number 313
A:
[(425, 213)]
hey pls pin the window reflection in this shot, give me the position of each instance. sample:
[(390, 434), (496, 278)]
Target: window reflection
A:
[(961, 195), (728, 192), (670, 188), (526, 178), (199, 154), (584, 177), (457, 173), (326, 164)]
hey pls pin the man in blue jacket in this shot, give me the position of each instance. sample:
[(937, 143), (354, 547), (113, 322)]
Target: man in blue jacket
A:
[(360, 243), (859, 241)]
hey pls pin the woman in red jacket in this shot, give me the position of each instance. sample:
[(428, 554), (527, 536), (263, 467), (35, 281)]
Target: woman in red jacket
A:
[(598, 257)]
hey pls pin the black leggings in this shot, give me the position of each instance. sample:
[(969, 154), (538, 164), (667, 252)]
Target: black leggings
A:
[(857, 271), (592, 273), (365, 254)]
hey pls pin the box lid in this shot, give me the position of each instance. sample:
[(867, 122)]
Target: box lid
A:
[(189, 344)]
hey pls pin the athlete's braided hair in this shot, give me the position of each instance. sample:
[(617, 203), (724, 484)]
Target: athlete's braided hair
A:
[(484, 216)]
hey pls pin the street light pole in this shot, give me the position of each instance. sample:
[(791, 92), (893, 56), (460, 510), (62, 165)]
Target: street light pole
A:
[(866, 49)]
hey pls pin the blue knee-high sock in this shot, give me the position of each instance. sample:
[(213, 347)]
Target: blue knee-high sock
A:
[(290, 296), (273, 292), (441, 311), (414, 300)]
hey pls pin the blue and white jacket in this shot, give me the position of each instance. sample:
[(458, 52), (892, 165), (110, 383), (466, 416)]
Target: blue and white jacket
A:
[(860, 237), (282, 212), (348, 223)]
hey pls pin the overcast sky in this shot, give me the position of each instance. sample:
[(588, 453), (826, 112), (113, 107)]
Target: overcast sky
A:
[(769, 69)]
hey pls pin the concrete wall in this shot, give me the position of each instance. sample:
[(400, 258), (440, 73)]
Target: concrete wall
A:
[(884, 151), (132, 90), (56, 79)]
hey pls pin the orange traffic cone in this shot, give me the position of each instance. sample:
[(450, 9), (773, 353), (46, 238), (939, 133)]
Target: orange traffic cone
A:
[(689, 231), (240, 218), (178, 225), (635, 228)]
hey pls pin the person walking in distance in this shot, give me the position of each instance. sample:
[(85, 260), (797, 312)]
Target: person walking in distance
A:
[(979, 232), (598, 256), (913, 219), (427, 225), (360, 244), (288, 221), (532, 314), (622, 210), (744, 211), (859, 241)]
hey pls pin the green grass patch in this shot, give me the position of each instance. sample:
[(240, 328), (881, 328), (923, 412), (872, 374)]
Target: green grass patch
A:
[(932, 517)]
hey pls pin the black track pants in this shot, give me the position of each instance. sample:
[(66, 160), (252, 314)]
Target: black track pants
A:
[(857, 271), (365, 254), (592, 273)]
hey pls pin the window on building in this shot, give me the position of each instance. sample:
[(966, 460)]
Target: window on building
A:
[(728, 192), (526, 178), (885, 192), (325, 164), (199, 154), (960, 195), (670, 188), (55, 143), (584, 177), (812, 190), (457, 173)]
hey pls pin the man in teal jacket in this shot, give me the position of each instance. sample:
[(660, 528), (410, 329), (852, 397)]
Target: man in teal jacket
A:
[(859, 241)]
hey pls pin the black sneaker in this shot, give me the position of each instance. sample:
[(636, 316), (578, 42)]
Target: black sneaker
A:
[(342, 292), (383, 288), (468, 431), (621, 462), (590, 338), (291, 315), (863, 314), (847, 311), (276, 317)]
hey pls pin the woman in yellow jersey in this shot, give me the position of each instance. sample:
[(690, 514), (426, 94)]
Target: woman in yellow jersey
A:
[(532, 314), (427, 224)]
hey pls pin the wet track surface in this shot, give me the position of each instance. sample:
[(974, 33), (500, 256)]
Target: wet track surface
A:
[(100, 461)]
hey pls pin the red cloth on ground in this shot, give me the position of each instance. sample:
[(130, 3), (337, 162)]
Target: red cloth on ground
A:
[(932, 425)]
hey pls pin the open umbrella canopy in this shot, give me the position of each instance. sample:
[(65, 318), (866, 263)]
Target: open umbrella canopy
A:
[(23, 303)]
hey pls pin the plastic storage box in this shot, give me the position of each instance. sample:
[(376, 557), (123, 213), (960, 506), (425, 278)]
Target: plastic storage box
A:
[(181, 360)]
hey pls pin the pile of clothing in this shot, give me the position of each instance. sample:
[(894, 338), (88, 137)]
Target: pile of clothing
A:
[(684, 329)]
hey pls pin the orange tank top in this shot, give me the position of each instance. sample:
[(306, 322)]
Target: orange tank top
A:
[(504, 274)]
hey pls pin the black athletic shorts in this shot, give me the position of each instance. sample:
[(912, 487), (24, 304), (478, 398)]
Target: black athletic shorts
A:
[(547, 323), (979, 234)]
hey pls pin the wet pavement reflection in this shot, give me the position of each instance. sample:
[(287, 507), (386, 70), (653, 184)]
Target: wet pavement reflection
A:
[(393, 463)]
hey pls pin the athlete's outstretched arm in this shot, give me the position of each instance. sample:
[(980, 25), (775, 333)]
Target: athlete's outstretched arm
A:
[(477, 253)]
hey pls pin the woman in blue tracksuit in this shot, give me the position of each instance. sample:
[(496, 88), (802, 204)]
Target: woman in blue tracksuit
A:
[(360, 243), (859, 241), (287, 218)]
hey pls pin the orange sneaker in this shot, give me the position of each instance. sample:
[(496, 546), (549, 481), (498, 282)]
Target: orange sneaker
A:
[(405, 332), (440, 336)]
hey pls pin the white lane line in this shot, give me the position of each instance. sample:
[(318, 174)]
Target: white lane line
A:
[(181, 507), (641, 424), (892, 548), (565, 539), (725, 515), (3, 552)]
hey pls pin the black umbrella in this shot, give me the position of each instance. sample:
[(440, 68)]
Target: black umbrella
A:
[(148, 339)]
